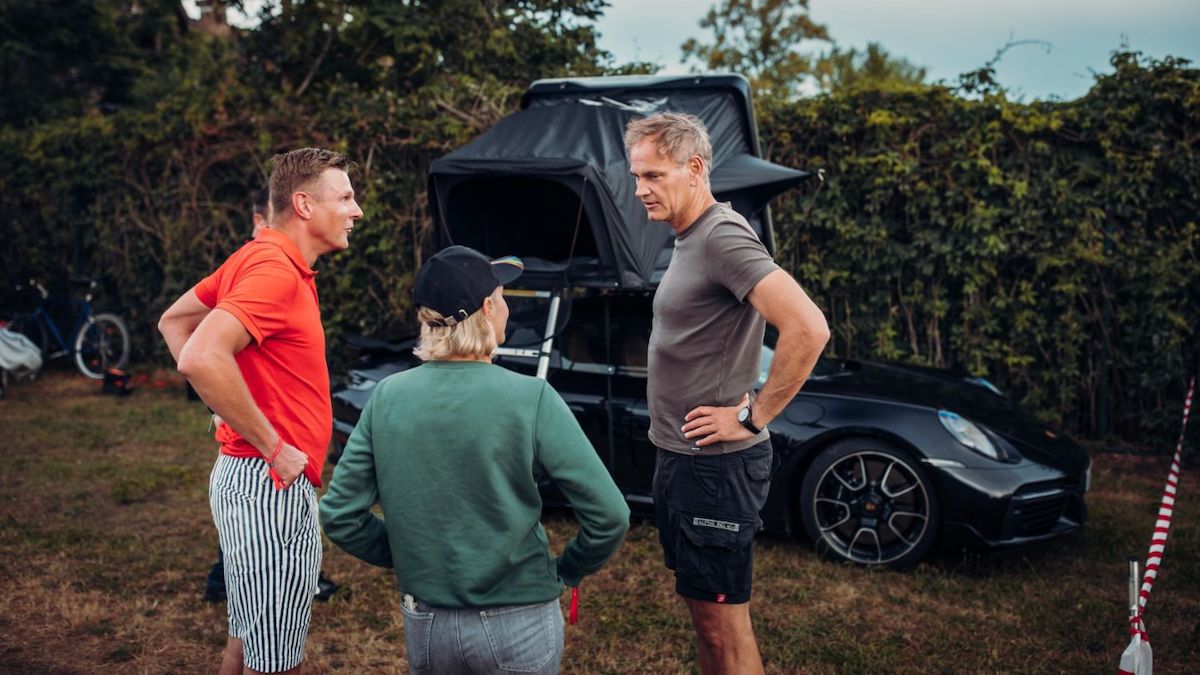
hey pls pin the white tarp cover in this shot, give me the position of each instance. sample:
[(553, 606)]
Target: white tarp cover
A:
[(18, 355)]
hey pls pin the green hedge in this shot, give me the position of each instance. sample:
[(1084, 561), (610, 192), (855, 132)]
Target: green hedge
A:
[(1049, 246)]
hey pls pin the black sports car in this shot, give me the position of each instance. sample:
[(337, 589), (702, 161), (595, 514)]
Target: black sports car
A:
[(877, 462)]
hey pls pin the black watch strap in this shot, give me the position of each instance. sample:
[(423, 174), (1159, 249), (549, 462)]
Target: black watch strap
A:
[(749, 421)]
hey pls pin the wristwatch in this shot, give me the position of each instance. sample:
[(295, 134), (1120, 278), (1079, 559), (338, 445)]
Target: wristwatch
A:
[(746, 417)]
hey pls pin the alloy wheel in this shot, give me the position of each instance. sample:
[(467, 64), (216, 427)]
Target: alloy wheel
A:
[(869, 506)]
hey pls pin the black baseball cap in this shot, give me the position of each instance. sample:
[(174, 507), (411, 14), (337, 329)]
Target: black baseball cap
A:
[(456, 279)]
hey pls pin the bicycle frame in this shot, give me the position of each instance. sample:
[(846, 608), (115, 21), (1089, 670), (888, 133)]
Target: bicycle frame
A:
[(66, 343)]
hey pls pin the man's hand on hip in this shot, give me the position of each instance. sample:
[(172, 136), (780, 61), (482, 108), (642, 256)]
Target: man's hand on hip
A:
[(290, 464), (716, 424)]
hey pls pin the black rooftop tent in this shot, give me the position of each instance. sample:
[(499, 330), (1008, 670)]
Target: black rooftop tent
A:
[(551, 182)]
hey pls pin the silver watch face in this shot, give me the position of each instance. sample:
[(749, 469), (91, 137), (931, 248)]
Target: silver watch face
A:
[(744, 414)]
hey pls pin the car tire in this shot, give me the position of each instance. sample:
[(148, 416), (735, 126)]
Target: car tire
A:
[(867, 502)]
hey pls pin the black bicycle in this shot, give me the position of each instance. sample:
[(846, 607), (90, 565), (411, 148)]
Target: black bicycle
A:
[(96, 341)]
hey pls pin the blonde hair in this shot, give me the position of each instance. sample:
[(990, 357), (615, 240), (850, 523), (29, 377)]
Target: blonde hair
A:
[(677, 135), (471, 337), (294, 171)]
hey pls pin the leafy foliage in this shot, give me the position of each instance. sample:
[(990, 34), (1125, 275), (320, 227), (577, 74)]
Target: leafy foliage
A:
[(1049, 246), (79, 56), (841, 69)]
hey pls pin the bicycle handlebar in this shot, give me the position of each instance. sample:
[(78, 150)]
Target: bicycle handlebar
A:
[(33, 283)]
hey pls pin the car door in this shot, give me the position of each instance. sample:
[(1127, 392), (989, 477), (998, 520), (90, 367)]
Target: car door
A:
[(630, 335), (580, 373), (600, 371)]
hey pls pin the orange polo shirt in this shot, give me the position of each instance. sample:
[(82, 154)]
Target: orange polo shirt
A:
[(268, 287)]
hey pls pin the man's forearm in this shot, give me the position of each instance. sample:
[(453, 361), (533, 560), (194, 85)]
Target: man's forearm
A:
[(796, 354), (216, 378), (175, 335), (803, 333), (180, 321)]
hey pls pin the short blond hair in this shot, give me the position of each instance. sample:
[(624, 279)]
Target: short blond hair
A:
[(679, 136), (296, 171), (471, 337)]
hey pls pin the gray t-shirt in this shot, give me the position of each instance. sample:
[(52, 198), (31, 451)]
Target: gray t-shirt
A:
[(707, 339)]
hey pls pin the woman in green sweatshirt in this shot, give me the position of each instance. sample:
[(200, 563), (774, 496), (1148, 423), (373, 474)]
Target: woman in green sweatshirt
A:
[(453, 450)]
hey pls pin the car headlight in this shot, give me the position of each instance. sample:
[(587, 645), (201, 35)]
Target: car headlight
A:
[(964, 431)]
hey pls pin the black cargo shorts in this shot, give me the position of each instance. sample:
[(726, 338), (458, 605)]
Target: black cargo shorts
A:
[(706, 508)]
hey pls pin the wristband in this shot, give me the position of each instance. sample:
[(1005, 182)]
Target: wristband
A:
[(275, 453)]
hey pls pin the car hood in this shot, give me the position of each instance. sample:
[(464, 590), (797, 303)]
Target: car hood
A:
[(944, 390)]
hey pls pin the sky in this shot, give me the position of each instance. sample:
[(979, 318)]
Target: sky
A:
[(948, 37)]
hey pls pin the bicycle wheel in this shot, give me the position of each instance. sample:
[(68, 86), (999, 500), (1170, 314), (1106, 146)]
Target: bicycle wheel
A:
[(102, 344)]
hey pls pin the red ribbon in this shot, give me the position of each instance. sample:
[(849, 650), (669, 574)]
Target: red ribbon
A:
[(1165, 512), (573, 613)]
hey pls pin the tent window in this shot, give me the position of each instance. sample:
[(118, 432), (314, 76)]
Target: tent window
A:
[(522, 216)]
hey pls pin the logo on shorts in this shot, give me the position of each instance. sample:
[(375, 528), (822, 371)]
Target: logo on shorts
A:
[(717, 524)]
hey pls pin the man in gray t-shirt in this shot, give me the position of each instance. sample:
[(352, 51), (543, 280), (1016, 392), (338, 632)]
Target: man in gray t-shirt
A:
[(707, 340), (715, 458)]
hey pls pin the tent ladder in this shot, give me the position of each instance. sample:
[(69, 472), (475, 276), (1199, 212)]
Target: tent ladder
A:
[(542, 354)]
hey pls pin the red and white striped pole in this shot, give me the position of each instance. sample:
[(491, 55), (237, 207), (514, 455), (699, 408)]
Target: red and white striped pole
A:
[(1137, 656)]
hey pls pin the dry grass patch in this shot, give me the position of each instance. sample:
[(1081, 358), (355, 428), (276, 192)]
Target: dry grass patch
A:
[(106, 538)]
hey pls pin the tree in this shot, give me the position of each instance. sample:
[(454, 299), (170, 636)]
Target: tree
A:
[(850, 68), (401, 46), (760, 39), (74, 57)]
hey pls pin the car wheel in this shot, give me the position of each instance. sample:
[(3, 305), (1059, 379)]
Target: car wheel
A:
[(867, 502)]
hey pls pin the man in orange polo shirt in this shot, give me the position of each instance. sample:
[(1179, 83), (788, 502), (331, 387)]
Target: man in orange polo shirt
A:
[(249, 339), (214, 582)]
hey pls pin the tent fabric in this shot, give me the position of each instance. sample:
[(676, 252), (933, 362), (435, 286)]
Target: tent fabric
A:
[(569, 143)]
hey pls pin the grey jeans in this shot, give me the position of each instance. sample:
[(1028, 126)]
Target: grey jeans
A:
[(511, 639)]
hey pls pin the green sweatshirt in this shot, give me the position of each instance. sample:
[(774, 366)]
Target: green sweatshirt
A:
[(453, 451)]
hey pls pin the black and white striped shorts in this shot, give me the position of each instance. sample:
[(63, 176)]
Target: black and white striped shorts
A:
[(271, 540)]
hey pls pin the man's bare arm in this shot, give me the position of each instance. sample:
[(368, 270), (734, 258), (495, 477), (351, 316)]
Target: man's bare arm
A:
[(207, 360), (803, 334), (180, 320)]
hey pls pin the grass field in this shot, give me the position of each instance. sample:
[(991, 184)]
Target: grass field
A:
[(105, 538)]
